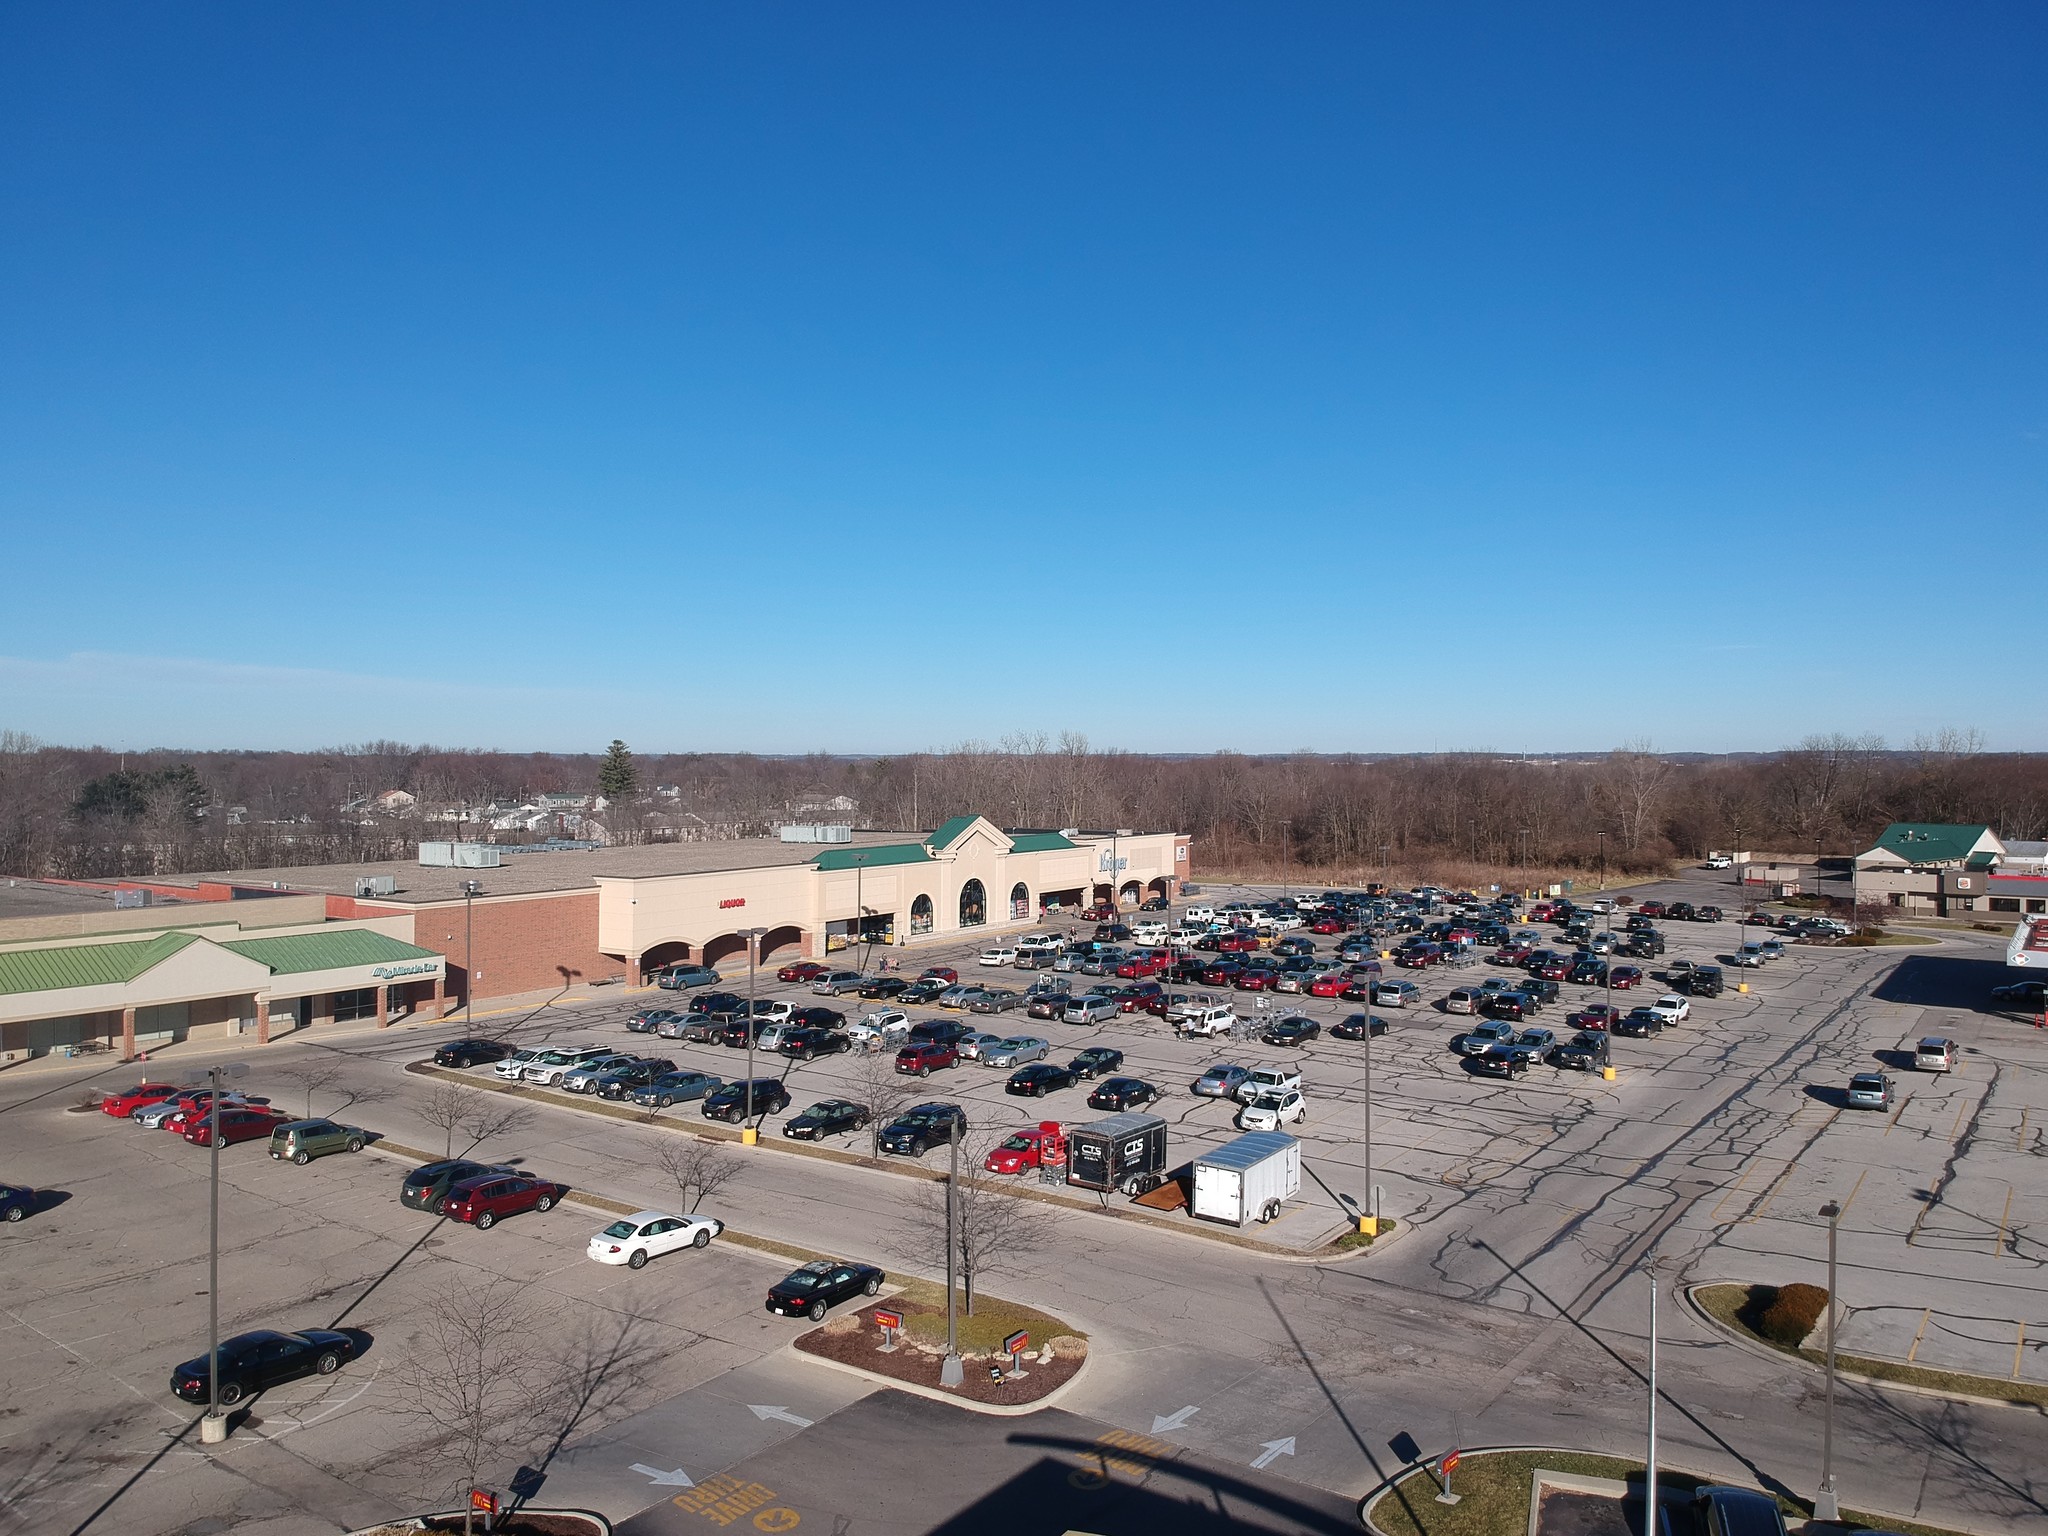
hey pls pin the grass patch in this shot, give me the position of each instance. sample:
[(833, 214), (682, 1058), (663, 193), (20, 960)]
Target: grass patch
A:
[(923, 1304), (1346, 1242), (1738, 1307)]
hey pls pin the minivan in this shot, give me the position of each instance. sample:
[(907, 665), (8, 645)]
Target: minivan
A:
[(1395, 994), (1463, 1000), (303, 1140), (1935, 1055), (1094, 1009)]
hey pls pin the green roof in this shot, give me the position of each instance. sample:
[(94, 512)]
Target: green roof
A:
[(949, 830), (872, 858), (1930, 842), (86, 965), (1038, 842), (330, 950)]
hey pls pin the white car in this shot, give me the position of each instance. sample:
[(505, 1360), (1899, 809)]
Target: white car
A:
[(1720, 861), (513, 1067), (633, 1240), (885, 1026), (1672, 1008), (1270, 1111), (774, 1010), (1276, 1082), (1003, 956)]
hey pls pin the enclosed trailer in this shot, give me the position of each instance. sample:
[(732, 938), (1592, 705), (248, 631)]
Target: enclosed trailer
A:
[(1124, 1152), (1249, 1178)]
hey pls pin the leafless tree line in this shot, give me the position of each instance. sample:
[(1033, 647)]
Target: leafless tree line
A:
[(1635, 807)]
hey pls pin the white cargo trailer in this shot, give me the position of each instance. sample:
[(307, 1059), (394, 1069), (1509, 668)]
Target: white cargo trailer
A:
[(1248, 1179)]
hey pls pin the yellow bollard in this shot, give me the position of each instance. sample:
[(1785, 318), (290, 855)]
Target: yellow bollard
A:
[(750, 1137), (1369, 1226), (1607, 1074), (1742, 986)]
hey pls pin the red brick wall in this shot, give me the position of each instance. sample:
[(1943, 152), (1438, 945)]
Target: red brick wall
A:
[(519, 943)]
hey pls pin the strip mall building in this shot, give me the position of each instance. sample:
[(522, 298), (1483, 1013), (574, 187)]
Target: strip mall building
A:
[(391, 940)]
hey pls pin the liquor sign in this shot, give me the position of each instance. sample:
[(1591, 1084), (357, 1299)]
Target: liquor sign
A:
[(733, 901)]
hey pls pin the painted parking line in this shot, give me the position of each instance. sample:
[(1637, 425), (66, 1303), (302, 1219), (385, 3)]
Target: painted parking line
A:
[(1919, 1334), (2005, 1222), (1897, 1114)]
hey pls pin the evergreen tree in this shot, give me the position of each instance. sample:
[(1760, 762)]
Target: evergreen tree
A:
[(616, 778)]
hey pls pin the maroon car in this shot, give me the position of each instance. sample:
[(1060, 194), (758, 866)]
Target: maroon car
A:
[(482, 1200), (1622, 977), (926, 1057), (243, 1123)]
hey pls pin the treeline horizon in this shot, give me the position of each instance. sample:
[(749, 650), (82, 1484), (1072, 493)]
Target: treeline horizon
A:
[(85, 812)]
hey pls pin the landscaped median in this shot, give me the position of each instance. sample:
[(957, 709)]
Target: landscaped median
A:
[(1497, 1492), (1769, 1316), (1054, 1356)]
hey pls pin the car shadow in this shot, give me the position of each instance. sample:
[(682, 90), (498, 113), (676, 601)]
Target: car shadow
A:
[(45, 1201), (361, 1339), (1834, 1098), (1898, 1061)]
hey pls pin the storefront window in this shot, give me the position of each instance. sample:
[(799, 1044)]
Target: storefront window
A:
[(355, 1005), (921, 915), (1020, 901), (973, 905)]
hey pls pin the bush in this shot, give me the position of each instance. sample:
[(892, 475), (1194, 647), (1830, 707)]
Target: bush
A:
[(1789, 1315)]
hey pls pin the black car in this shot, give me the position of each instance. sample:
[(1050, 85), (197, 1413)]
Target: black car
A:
[(1038, 1079), (817, 1018), (1539, 989), (928, 1125), (809, 1044), (471, 1053), (741, 1030), (1680, 911), (1589, 973), (427, 1186), (1638, 1024), (620, 1082), (730, 1102), (1353, 1026), (16, 1202), (717, 1002), (811, 1291), (1584, 1052), (1095, 1061), (940, 1032), (1724, 1511), (884, 987), (1499, 1061), (253, 1362), (1292, 1031), (923, 990), (827, 1117), (1644, 944), (1122, 1093)]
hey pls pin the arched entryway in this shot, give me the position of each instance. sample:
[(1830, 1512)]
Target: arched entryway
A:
[(789, 936), (921, 915), (1129, 897), (1020, 902), (724, 947), (1100, 896), (1158, 890), (973, 905), (662, 956)]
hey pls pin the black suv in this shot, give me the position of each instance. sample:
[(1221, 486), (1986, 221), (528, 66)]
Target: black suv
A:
[(717, 1002), (928, 1125), (809, 1044), (426, 1187), (730, 1102), (471, 1053), (1705, 981), (940, 1032)]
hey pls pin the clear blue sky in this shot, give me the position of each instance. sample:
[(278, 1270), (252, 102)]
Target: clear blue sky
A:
[(867, 377)]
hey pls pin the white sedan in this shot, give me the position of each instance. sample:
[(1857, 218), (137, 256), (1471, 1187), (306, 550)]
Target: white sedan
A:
[(1270, 1111), (633, 1240), (1003, 956), (1672, 1008)]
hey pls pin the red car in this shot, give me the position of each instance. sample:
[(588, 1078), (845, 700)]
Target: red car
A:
[(1542, 912), (1512, 954), (1239, 942), (803, 970), (243, 1123), (1096, 914), (926, 1057), (1255, 980), (194, 1104), (1329, 925), (1131, 999), (141, 1096), (1596, 1018), (1651, 909), (1221, 974), (1332, 985), (1552, 970), (944, 973), (1622, 977), (482, 1200)]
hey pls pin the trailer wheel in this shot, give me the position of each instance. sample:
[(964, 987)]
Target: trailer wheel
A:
[(1271, 1212)]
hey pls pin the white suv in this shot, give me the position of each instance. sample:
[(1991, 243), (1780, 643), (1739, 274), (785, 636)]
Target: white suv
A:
[(1270, 1111)]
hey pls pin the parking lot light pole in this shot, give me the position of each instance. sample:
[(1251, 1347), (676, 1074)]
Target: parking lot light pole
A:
[(213, 1429), (1368, 1223), (1650, 1462), (752, 936), (1825, 1505), (471, 889), (951, 1371)]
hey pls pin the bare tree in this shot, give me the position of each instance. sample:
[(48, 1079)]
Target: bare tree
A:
[(454, 1108), (328, 1073), (998, 1231), (595, 1368), (471, 1381), (701, 1168), (873, 1082)]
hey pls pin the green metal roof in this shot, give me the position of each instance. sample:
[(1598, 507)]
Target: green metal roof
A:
[(1930, 842), (1038, 842), (949, 830), (872, 858), (86, 965), (290, 953)]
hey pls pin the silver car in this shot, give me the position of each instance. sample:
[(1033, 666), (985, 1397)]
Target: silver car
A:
[(583, 1079), (1221, 1081), (1014, 1052), (970, 1046), (995, 1000)]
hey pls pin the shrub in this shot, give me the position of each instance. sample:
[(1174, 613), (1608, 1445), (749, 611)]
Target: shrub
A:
[(1788, 1316)]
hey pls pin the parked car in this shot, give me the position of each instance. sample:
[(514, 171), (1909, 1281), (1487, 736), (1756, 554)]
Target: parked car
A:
[(1722, 1511), (123, 1105), (921, 1058), (584, 1077), (716, 1002), (925, 1126), (924, 990), (834, 983), (1046, 1005), (675, 1088), (1353, 1026), (633, 1240), (250, 1122), (1498, 1061), (1395, 994), (1268, 1080), (1935, 1054), (256, 1362), (681, 978), (1483, 1037), (810, 1044), (1014, 1051), (300, 1141), (1749, 956), (801, 970), (1220, 1082), (471, 1053), (488, 1198), (1038, 1079), (729, 1103), (1121, 1093), (1870, 1090), (827, 1117), (1672, 1008), (1270, 1111), (1639, 1024), (17, 1202), (619, 1083), (1623, 977), (1582, 1053), (1095, 1060), (426, 1187), (812, 1290), (883, 988), (549, 1066), (880, 1030), (1003, 955), (995, 1000), (1294, 1030)]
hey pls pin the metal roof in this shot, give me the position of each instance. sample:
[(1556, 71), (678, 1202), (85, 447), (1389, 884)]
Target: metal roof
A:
[(1039, 842), (1931, 842), (873, 858), (86, 965), (950, 829), (289, 953), (1248, 1151)]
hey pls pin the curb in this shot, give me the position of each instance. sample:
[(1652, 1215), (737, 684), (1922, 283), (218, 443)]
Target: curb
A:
[(1766, 1352), (939, 1395)]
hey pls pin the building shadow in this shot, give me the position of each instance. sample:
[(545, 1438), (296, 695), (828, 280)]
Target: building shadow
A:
[(1942, 981)]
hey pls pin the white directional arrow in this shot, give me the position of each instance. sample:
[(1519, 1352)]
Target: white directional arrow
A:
[(762, 1411), (1273, 1451), (1162, 1422), (676, 1479)]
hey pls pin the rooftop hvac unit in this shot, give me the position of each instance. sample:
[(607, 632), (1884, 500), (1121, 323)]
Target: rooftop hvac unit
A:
[(459, 855), (817, 834), (125, 899), (376, 885)]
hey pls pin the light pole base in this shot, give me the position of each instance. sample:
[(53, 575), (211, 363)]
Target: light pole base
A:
[(1826, 1506), (213, 1429), (1369, 1226), (750, 1137), (952, 1372)]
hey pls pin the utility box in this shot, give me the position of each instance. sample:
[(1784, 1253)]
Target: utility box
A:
[(1123, 1152), (1248, 1179)]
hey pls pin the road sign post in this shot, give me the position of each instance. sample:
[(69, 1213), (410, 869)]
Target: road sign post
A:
[(891, 1324), (1446, 1465)]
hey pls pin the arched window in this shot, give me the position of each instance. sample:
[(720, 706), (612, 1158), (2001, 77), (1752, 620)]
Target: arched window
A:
[(1020, 901), (921, 915), (973, 905)]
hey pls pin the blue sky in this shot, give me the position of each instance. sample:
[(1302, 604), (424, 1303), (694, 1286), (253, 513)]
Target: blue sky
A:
[(870, 378)]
